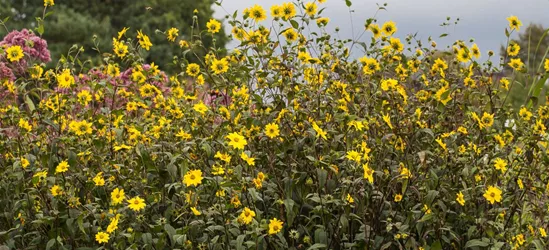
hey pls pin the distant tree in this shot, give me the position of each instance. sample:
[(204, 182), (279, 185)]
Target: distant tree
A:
[(76, 21), (528, 40)]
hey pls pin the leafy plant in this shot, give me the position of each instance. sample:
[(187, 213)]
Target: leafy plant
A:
[(285, 142)]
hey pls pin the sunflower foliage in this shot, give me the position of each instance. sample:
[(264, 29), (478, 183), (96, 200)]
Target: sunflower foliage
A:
[(285, 142)]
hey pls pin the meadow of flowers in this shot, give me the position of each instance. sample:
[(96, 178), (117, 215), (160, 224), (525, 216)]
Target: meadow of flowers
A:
[(285, 142)]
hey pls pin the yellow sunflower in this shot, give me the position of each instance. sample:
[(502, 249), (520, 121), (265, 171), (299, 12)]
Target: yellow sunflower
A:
[(275, 226), (220, 66), (213, 26), (136, 204), (62, 167), (117, 196), (193, 178), (492, 194), (389, 28), (246, 216), (193, 69), (14, 53), (102, 237), (236, 140), (271, 130), (514, 23)]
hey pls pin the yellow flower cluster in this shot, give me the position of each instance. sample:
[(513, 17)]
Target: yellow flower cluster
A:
[(293, 139)]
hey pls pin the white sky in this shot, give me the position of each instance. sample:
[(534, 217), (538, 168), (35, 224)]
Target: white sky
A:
[(484, 20)]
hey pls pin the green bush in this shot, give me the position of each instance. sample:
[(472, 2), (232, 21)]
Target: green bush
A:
[(285, 142)]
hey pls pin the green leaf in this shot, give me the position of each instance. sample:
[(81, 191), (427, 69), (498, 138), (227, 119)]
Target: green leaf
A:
[(536, 88), (436, 245), (171, 232), (476, 243), (348, 3), (254, 194), (179, 239), (541, 41), (50, 244), (499, 245), (29, 103), (431, 195), (294, 24), (214, 228), (147, 238), (322, 176), (426, 217), (317, 246), (290, 215), (427, 131), (172, 169), (321, 236), (73, 159), (48, 14), (471, 231), (538, 244), (386, 246), (70, 227), (363, 45), (40, 29), (80, 222), (207, 148), (281, 238), (240, 241)]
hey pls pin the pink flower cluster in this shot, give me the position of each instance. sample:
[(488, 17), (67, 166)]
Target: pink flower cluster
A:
[(6, 72), (33, 46)]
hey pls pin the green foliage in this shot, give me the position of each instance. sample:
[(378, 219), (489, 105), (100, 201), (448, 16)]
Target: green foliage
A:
[(534, 49), (283, 143), (534, 44), (75, 21)]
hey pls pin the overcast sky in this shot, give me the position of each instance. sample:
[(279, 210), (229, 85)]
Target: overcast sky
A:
[(484, 20)]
